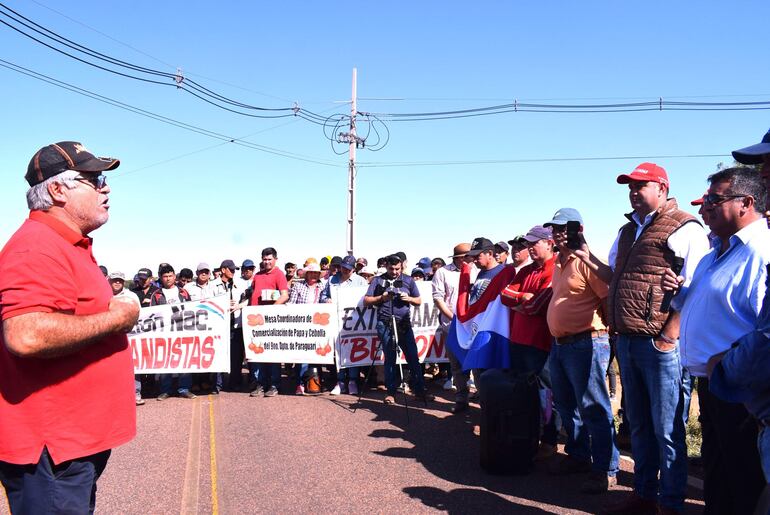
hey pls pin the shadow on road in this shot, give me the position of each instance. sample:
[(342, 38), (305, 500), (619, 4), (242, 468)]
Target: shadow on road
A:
[(446, 446)]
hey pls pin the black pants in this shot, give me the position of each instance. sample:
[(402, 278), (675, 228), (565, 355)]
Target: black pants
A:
[(42, 487), (733, 478)]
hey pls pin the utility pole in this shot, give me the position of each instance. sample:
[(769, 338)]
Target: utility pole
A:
[(352, 168)]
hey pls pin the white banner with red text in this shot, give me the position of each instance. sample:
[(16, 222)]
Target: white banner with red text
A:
[(290, 333), (188, 337), (357, 341)]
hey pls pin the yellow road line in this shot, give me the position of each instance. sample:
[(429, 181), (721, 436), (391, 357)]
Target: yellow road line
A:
[(213, 452), (192, 467)]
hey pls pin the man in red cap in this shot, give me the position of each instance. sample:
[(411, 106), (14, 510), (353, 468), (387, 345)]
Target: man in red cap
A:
[(66, 374), (658, 237)]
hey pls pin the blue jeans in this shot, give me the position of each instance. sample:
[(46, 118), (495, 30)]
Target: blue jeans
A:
[(69, 487), (686, 394), (525, 359), (408, 345), (185, 382), (652, 387), (580, 394), (763, 442), (270, 374), (348, 374)]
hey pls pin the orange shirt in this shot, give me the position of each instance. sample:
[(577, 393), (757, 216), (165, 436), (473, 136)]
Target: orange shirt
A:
[(577, 295)]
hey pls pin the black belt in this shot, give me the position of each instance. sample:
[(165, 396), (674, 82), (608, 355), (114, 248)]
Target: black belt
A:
[(564, 340)]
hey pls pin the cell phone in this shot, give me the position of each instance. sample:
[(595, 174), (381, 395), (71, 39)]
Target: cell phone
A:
[(574, 236)]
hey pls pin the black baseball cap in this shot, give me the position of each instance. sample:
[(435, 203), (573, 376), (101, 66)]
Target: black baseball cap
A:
[(479, 245), (229, 264), (62, 156), (752, 155), (144, 272)]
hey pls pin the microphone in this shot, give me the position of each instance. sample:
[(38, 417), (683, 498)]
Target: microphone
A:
[(677, 266)]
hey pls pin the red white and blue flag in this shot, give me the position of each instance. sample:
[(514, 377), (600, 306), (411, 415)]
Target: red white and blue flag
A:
[(480, 332)]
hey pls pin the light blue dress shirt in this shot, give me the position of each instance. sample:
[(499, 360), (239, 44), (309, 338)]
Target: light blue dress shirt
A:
[(725, 296)]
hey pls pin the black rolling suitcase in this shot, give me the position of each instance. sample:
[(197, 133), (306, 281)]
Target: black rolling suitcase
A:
[(510, 421)]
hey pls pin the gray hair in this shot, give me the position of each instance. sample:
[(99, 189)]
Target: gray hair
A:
[(38, 196)]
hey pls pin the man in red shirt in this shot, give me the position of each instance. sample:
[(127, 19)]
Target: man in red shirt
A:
[(528, 296), (66, 374), (269, 286)]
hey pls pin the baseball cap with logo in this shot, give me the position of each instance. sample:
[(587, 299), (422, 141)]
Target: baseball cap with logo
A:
[(59, 157), (348, 262), (647, 172), (479, 245), (144, 272), (752, 155)]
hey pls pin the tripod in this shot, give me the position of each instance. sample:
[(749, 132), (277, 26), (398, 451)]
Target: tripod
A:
[(395, 342)]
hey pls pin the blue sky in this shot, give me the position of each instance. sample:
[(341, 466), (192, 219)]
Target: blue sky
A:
[(183, 197)]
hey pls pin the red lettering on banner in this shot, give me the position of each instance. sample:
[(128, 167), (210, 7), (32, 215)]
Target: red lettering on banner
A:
[(176, 353), (161, 353), (437, 347), (134, 353), (422, 344), (147, 353), (194, 346), (360, 349), (207, 351)]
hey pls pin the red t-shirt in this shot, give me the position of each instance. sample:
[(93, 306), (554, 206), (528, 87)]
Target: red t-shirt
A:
[(273, 280), (530, 326), (75, 405)]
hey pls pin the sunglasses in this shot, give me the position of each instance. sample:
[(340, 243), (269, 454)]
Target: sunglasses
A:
[(97, 181), (713, 199)]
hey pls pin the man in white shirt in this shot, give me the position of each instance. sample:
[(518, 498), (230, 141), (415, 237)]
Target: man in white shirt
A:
[(201, 287)]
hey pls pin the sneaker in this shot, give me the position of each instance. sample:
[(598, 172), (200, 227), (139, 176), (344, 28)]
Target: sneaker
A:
[(139, 401), (272, 392), (388, 400), (568, 465), (337, 389), (257, 392), (300, 390), (162, 397), (632, 504), (352, 387), (449, 385), (187, 394), (545, 451), (597, 483)]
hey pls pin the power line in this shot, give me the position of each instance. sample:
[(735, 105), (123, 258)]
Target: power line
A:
[(156, 59), (532, 160), (163, 119)]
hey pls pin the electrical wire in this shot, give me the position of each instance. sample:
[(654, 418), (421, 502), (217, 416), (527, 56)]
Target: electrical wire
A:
[(163, 119), (532, 160)]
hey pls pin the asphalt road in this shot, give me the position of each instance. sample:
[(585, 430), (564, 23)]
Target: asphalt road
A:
[(236, 454)]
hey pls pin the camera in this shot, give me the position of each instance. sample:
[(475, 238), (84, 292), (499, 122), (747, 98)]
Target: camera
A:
[(389, 286)]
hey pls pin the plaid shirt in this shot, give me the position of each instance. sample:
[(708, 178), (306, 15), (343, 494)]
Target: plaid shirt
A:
[(301, 293)]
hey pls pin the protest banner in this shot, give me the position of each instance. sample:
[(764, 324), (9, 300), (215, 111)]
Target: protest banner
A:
[(188, 337), (357, 340), (290, 333)]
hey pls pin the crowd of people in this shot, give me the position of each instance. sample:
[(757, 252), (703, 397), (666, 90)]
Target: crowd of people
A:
[(679, 301)]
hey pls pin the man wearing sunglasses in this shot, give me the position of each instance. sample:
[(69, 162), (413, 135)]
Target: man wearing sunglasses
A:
[(66, 380), (657, 235), (720, 306)]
